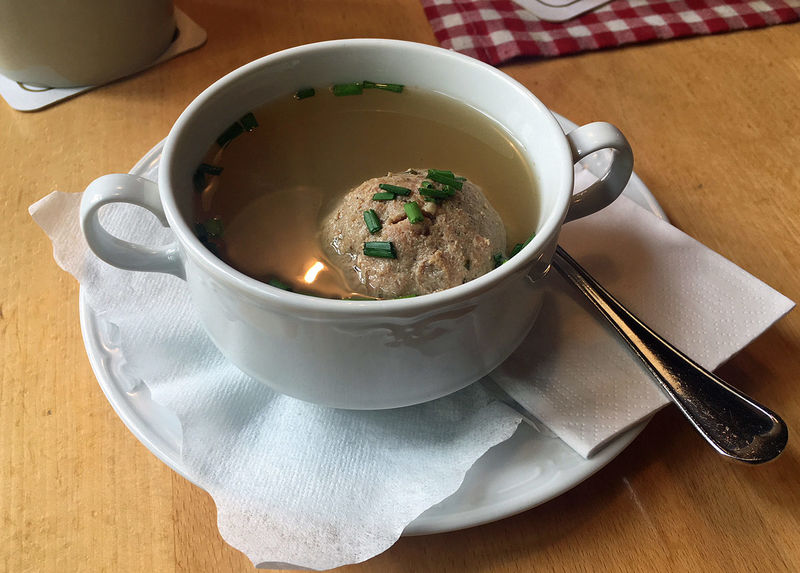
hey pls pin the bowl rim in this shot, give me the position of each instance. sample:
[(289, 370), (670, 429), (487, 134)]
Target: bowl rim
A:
[(295, 302)]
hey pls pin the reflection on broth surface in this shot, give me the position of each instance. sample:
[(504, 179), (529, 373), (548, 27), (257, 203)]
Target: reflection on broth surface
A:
[(263, 193)]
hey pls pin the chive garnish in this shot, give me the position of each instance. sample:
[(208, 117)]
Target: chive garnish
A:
[(213, 227), (249, 121), (414, 212), (206, 238), (372, 221), (444, 172), (499, 259), (304, 93), (386, 196), (445, 179), (199, 181), (435, 193), (234, 131), (200, 231), (210, 169), (406, 296), (354, 88), (199, 177), (519, 246), (381, 249), (395, 189), (278, 284), (396, 88)]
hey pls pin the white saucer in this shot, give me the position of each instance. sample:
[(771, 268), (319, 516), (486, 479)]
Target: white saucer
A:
[(522, 472)]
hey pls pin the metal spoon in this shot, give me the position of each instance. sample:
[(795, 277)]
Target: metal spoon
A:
[(734, 424)]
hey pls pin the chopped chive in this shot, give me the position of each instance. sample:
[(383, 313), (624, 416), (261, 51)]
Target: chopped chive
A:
[(199, 181), (435, 193), (372, 221), (210, 169), (383, 196), (249, 121), (354, 88), (200, 231), (445, 179), (427, 184), (519, 246), (406, 296), (278, 284), (199, 177), (304, 93), (444, 172), (234, 131), (395, 189), (213, 227), (396, 88), (499, 259), (381, 249), (414, 212), (207, 241)]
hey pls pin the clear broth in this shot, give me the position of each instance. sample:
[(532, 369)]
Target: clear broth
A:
[(281, 178)]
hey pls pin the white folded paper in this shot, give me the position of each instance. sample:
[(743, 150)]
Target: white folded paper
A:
[(296, 485), (573, 373), (304, 486)]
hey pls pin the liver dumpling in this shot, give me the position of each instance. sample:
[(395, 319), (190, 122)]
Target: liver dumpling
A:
[(454, 243)]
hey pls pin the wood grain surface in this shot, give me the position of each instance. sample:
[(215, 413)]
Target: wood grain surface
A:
[(715, 126)]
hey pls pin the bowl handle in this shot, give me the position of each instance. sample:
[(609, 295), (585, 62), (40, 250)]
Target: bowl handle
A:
[(119, 188), (585, 140)]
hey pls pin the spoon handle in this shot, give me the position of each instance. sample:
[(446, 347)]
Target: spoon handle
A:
[(734, 424)]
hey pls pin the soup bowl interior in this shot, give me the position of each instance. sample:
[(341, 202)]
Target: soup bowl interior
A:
[(464, 79)]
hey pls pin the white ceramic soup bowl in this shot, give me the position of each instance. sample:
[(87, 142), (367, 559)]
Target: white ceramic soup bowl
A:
[(361, 354)]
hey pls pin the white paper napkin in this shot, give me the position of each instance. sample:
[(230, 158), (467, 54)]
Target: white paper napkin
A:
[(573, 373), (296, 485), (299, 485)]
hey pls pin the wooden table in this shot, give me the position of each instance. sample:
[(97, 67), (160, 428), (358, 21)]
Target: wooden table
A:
[(714, 124)]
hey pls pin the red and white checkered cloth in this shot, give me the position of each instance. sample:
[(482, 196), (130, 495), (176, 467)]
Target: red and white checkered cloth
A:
[(497, 30)]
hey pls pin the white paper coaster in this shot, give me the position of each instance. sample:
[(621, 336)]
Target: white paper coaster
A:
[(24, 97)]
